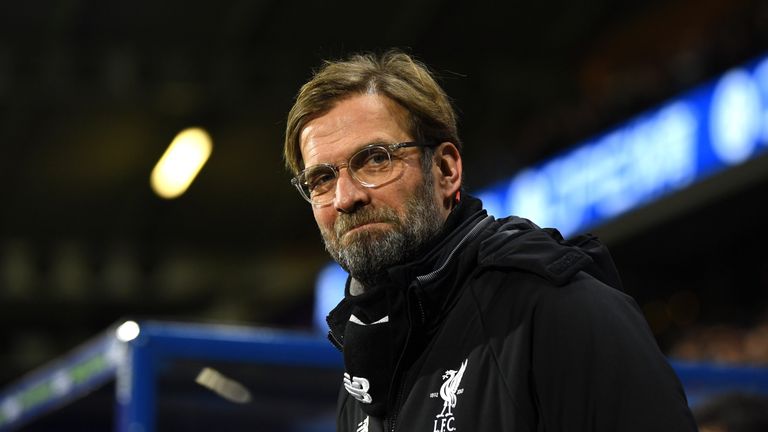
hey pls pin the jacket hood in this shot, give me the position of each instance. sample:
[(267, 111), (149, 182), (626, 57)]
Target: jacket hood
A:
[(518, 243)]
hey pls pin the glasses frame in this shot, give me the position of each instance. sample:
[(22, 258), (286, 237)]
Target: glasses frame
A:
[(336, 169)]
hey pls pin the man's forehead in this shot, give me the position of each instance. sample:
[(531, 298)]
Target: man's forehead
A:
[(357, 111), (315, 153), (351, 124), (318, 138)]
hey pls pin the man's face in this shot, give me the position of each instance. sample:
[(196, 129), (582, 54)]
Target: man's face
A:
[(370, 229)]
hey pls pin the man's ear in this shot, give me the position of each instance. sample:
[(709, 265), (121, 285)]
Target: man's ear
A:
[(449, 171)]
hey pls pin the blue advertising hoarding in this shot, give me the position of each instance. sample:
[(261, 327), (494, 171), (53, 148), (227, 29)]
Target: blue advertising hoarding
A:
[(712, 128)]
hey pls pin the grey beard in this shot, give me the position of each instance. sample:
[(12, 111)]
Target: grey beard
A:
[(371, 252)]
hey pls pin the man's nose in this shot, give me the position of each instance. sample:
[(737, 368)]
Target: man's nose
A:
[(350, 194)]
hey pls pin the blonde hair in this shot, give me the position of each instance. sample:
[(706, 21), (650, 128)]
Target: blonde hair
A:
[(393, 74)]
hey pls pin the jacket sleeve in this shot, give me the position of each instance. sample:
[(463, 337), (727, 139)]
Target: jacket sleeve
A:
[(597, 367)]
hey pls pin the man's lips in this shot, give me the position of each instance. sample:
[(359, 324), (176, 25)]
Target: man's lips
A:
[(364, 226)]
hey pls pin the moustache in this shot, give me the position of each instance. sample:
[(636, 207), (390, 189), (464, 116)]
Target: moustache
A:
[(350, 221)]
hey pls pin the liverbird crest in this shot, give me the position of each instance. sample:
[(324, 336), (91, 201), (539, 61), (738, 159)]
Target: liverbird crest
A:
[(449, 389)]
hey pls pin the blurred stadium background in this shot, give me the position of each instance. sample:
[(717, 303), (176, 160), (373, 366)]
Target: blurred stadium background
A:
[(92, 93)]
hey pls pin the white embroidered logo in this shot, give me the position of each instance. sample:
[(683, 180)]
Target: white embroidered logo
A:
[(358, 388), (449, 392), (363, 425)]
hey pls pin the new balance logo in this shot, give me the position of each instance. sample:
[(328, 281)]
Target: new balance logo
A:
[(358, 387), (363, 425)]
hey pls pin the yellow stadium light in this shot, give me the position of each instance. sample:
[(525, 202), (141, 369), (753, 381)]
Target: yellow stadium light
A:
[(181, 162)]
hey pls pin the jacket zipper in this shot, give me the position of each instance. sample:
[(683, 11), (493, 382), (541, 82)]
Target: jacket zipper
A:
[(422, 314), (396, 408), (429, 277), (392, 419)]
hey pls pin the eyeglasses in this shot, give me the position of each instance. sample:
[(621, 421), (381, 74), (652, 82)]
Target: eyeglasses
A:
[(371, 166)]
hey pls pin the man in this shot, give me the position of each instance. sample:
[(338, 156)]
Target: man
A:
[(453, 320)]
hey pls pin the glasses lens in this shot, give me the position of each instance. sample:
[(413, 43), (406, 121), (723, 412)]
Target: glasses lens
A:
[(371, 165), (318, 182)]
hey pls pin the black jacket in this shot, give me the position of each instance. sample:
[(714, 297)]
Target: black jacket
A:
[(503, 326)]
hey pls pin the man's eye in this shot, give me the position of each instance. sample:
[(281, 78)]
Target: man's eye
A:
[(319, 181), (374, 158)]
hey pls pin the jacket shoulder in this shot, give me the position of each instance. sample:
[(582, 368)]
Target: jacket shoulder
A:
[(517, 243)]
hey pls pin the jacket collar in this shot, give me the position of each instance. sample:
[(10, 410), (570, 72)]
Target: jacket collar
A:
[(444, 248)]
